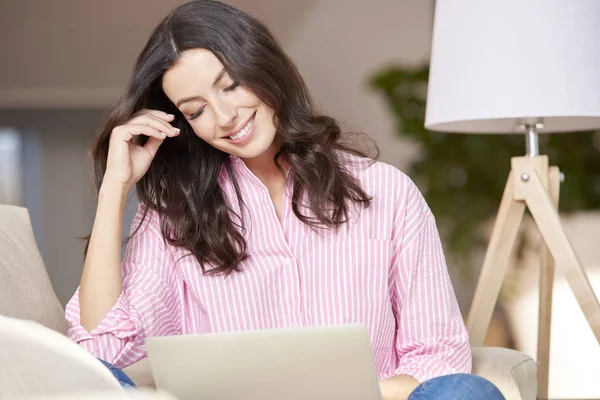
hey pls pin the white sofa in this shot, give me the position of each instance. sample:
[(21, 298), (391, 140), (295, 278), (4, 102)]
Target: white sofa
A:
[(26, 293)]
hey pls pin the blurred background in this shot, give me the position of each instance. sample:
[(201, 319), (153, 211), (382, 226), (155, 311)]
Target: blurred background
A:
[(64, 62)]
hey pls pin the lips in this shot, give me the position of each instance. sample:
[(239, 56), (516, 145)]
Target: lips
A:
[(243, 131)]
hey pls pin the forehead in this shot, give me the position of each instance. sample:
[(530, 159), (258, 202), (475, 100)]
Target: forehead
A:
[(195, 71)]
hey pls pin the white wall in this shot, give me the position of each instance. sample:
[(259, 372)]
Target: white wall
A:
[(79, 54), (339, 44)]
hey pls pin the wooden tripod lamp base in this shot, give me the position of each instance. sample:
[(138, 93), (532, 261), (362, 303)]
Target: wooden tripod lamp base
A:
[(487, 79), (533, 184)]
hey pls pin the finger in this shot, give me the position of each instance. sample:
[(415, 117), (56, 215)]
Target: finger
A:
[(154, 122), (168, 126), (127, 132), (157, 113), (162, 126), (152, 145)]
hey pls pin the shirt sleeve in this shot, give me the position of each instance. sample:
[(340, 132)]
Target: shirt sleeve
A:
[(431, 338), (147, 306)]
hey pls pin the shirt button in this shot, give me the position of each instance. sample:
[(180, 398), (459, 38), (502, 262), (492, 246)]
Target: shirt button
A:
[(287, 262)]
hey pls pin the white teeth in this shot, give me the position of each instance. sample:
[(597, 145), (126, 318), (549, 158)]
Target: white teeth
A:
[(243, 131)]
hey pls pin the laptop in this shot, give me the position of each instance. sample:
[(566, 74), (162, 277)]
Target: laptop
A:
[(318, 363)]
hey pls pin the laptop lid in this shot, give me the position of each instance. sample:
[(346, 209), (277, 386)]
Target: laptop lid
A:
[(334, 362)]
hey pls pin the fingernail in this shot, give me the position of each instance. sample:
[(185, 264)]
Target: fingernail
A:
[(176, 130), (170, 115)]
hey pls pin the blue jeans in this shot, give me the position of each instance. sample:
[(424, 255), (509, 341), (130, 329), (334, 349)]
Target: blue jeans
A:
[(448, 387), (456, 387), (121, 376)]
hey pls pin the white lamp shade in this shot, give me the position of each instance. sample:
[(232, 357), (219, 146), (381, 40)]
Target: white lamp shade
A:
[(494, 63)]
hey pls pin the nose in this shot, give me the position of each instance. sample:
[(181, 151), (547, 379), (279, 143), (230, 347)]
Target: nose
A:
[(226, 113)]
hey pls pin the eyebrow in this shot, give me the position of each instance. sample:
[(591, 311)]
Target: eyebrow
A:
[(217, 79)]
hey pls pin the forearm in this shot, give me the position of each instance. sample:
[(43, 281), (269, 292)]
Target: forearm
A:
[(101, 281), (397, 387)]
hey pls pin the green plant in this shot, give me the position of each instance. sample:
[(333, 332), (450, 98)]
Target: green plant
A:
[(463, 176)]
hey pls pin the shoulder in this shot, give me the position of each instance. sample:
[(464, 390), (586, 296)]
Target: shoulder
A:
[(392, 190), (380, 179)]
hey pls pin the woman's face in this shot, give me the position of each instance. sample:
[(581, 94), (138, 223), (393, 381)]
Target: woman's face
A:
[(228, 116)]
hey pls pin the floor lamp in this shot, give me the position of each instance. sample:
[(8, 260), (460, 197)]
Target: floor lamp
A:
[(529, 66)]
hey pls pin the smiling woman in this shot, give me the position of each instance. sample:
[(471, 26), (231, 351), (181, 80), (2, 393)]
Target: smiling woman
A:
[(257, 213)]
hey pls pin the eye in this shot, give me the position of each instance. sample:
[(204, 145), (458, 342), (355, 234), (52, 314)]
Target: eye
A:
[(196, 114), (231, 87)]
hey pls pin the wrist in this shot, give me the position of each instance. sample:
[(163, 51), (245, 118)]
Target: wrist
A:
[(114, 191)]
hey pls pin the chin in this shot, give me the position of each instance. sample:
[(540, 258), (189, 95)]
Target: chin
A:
[(251, 153)]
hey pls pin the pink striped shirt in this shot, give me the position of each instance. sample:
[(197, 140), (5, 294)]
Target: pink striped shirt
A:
[(384, 269)]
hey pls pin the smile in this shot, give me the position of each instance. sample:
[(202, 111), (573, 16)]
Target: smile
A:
[(245, 130)]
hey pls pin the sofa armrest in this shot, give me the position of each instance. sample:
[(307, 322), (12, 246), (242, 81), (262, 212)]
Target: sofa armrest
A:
[(513, 372)]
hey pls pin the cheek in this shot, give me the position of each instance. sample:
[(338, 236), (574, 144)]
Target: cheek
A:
[(246, 98), (268, 116), (204, 127)]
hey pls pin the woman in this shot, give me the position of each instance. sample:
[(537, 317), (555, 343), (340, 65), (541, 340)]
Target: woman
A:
[(255, 215)]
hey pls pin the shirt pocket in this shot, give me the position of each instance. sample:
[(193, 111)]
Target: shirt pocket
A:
[(347, 280)]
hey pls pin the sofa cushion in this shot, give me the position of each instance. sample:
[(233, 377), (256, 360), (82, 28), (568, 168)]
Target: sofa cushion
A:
[(25, 289)]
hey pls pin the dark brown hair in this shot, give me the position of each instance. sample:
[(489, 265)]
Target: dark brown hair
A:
[(194, 214)]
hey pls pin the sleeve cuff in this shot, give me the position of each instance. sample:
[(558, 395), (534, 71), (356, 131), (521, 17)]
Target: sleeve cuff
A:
[(420, 375), (425, 369), (117, 322)]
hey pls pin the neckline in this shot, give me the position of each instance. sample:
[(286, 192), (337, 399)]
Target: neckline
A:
[(240, 168)]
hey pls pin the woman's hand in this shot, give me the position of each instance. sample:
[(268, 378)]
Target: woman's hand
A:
[(127, 161)]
